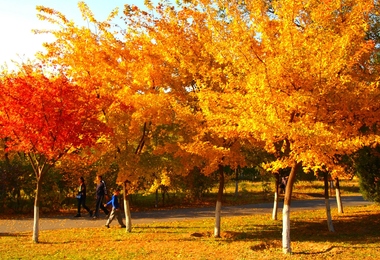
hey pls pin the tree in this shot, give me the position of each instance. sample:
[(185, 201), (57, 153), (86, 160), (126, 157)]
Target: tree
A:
[(109, 64), (295, 78), (299, 73), (138, 74), (46, 117), (188, 65)]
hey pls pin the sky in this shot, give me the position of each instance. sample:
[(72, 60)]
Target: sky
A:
[(19, 17)]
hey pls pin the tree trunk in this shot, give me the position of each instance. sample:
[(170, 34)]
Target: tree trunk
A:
[(327, 203), (338, 197), (163, 191), (236, 182), (219, 202), (127, 210), (275, 204), (156, 203), (37, 210), (286, 210)]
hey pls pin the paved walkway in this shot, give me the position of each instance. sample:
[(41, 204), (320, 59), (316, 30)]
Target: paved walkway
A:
[(63, 222)]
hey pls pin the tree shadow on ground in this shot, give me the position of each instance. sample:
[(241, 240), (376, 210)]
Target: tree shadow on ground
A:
[(54, 243), (164, 229), (13, 235), (336, 249), (358, 231), (254, 233), (314, 195), (353, 229)]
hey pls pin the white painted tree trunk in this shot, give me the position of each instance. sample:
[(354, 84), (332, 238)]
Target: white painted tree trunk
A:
[(286, 248), (275, 206), (36, 223), (339, 201), (127, 211), (338, 197), (218, 209)]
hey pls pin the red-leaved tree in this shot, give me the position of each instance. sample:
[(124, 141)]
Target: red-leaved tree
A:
[(46, 117)]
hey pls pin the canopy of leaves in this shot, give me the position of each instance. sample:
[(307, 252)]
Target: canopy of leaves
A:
[(295, 78), (47, 116), (297, 72)]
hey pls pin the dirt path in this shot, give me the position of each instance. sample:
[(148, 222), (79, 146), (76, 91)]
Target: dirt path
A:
[(65, 222)]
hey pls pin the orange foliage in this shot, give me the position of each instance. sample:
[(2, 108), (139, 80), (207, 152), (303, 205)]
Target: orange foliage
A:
[(297, 72), (226, 73), (47, 116)]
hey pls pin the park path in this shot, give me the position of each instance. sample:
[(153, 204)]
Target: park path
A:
[(67, 221)]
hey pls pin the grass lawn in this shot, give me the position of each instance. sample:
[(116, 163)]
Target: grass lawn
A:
[(357, 236), (249, 192)]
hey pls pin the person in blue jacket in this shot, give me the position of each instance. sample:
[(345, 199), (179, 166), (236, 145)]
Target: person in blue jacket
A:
[(115, 209)]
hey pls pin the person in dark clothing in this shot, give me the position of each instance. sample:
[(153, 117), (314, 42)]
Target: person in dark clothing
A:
[(101, 192), (115, 210), (81, 197), (284, 182)]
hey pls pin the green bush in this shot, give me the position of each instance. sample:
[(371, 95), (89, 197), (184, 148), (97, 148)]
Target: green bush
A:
[(17, 190), (195, 184), (367, 166)]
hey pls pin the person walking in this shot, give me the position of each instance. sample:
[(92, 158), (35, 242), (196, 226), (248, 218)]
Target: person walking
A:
[(81, 197), (115, 209), (101, 192)]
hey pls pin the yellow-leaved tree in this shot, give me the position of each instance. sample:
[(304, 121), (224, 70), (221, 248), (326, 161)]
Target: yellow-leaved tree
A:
[(117, 65), (177, 37), (299, 73), (291, 74), (145, 87)]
